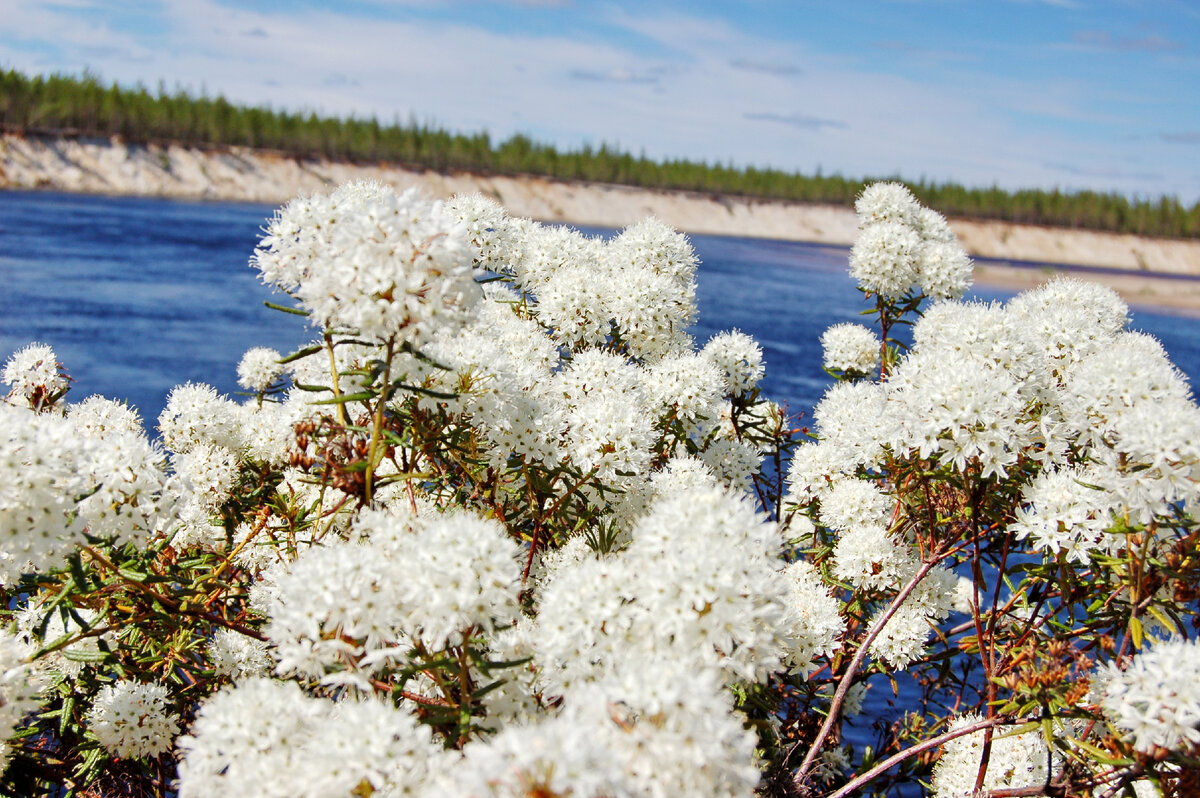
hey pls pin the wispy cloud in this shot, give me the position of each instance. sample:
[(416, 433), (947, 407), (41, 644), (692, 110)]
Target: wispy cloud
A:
[(795, 120), (922, 53), (1069, 4), (1185, 137), (1107, 42), (779, 68), (1104, 172), (613, 76), (676, 79), (338, 80)]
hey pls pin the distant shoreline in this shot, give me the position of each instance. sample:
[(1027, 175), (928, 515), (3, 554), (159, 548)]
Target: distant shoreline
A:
[(1150, 271)]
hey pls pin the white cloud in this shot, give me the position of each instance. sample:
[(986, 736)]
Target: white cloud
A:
[(681, 86)]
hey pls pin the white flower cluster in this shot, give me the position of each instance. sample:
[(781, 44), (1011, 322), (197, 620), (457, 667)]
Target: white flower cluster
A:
[(131, 719), (700, 580), (365, 259), (268, 738), (35, 376), (342, 611), (1051, 378), (588, 362), (740, 359), (237, 656), (851, 348), (39, 626), (62, 478), (814, 619), (1155, 700), (649, 726), (640, 286), (259, 369), (19, 690), (1016, 761), (902, 247)]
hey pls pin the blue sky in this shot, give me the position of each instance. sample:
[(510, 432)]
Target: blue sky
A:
[(1021, 93)]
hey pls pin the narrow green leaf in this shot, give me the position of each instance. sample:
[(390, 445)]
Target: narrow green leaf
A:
[(286, 309), (132, 575), (84, 655), (361, 396), (299, 353)]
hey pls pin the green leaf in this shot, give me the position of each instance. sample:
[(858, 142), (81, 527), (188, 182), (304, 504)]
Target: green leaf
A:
[(84, 655), (312, 388), (361, 396), (1135, 631), (132, 575), (299, 353), (1099, 754), (68, 709), (1160, 616), (286, 309)]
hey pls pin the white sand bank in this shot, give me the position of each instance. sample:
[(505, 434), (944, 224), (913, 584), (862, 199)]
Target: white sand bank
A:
[(105, 167)]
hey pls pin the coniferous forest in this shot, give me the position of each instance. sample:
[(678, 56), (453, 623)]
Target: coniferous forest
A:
[(85, 106)]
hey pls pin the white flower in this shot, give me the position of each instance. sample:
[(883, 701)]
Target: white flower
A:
[(366, 259), (488, 229), (35, 630), (853, 418), (195, 414), (19, 689), (1016, 761), (98, 416), (35, 375), (131, 719), (959, 411), (238, 656), (344, 609), (883, 259), (814, 467), (1066, 511), (259, 368), (943, 269), (267, 738), (813, 622), (688, 387), (851, 348), (43, 468), (652, 727), (1067, 319), (902, 246), (888, 202), (209, 474), (1155, 700), (133, 496), (733, 461), (902, 639), (867, 557), (700, 580), (740, 359), (855, 502)]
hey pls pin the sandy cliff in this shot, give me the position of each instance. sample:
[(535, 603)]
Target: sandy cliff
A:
[(1151, 270)]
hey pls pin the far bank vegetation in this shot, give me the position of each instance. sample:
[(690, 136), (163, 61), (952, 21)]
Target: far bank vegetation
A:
[(66, 105)]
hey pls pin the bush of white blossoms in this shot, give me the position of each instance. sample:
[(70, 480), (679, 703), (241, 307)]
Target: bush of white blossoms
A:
[(503, 529)]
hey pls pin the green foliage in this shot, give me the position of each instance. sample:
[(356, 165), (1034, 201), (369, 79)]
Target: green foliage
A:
[(65, 105)]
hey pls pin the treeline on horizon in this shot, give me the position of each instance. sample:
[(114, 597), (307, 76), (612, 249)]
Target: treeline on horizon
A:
[(66, 105)]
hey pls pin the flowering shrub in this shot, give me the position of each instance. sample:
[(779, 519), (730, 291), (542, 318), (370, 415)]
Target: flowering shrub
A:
[(504, 529)]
